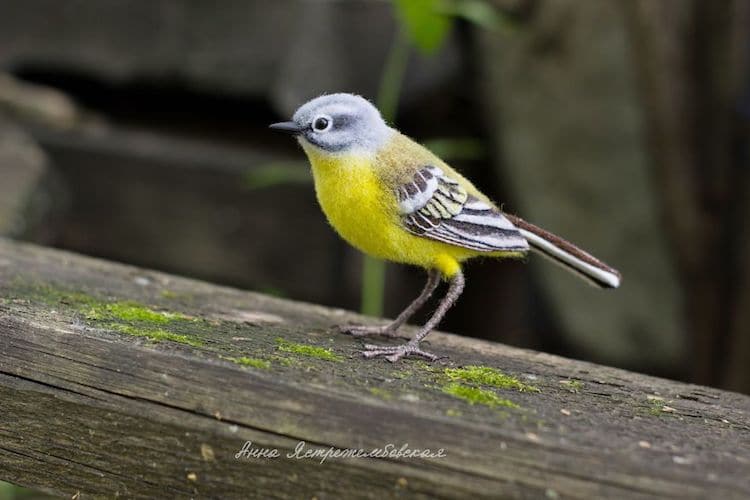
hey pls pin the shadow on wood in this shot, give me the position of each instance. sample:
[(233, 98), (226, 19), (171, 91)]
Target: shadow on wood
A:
[(119, 381)]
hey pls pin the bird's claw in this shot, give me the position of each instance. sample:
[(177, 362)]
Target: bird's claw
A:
[(394, 353), (366, 330)]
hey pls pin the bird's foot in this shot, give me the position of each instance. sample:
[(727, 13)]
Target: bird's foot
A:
[(394, 353), (366, 330)]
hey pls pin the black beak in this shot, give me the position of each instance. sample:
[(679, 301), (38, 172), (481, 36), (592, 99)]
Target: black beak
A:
[(288, 127)]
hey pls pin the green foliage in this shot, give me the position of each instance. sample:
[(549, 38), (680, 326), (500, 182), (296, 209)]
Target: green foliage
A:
[(9, 491), (479, 12), (428, 22), (392, 77), (373, 286), (425, 22)]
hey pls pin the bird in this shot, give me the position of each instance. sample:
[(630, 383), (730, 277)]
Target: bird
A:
[(393, 199)]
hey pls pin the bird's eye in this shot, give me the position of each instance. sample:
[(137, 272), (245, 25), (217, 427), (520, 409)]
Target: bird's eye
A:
[(321, 123)]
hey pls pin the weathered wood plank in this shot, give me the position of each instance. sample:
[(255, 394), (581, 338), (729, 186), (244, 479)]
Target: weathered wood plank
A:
[(102, 393)]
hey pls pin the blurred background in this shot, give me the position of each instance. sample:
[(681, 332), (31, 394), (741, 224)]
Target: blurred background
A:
[(137, 131)]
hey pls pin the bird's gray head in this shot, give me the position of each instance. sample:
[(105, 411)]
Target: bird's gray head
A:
[(338, 123)]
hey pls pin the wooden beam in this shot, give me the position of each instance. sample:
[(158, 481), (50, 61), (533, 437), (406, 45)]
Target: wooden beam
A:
[(116, 380)]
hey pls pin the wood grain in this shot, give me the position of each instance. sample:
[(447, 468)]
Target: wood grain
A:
[(86, 408)]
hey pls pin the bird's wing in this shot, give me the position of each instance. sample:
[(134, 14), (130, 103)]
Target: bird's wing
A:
[(435, 206)]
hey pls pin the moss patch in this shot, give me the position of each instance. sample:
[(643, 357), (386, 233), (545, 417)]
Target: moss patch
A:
[(657, 408), (51, 295), (307, 350), (474, 395), (402, 374), (154, 334), (131, 311), (484, 375), (424, 365), (381, 393), (572, 385), (285, 360), (252, 362), (127, 317)]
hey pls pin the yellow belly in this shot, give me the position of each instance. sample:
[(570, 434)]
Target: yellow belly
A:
[(364, 212)]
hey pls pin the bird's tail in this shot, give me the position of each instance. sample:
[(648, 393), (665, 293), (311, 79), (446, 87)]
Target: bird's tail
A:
[(567, 254)]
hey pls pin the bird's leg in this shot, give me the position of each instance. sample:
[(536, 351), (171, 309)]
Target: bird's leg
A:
[(411, 348), (433, 280)]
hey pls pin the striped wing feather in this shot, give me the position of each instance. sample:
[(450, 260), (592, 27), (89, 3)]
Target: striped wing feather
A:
[(435, 206)]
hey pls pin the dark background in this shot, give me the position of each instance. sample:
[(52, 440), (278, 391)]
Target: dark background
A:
[(137, 131)]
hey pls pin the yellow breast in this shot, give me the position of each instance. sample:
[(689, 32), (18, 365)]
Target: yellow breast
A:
[(355, 202), (364, 211)]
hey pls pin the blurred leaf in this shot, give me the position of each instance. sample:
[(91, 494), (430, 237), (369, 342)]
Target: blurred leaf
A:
[(6, 490), (373, 286), (457, 148), (479, 12), (393, 75), (9, 491), (426, 25), (277, 173)]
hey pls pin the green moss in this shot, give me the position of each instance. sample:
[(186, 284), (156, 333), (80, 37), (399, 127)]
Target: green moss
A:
[(573, 385), (154, 334), (51, 295), (253, 362), (307, 350), (381, 393), (658, 408), (98, 309), (284, 360), (424, 365), (474, 395), (484, 375), (655, 410), (131, 311), (127, 317), (75, 299)]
